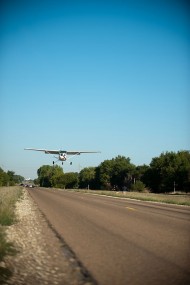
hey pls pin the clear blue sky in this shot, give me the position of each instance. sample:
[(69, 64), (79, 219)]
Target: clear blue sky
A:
[(93, 75)]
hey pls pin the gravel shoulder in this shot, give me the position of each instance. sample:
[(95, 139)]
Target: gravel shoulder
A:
[(42, 258)]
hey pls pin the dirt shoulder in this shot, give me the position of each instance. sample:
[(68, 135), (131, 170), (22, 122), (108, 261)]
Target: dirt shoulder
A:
[(42, 257)]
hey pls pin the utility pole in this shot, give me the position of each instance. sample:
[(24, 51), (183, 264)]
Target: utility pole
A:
[(174, 187)]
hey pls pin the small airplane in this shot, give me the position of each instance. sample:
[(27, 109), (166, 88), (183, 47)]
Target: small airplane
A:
[(62, 154)]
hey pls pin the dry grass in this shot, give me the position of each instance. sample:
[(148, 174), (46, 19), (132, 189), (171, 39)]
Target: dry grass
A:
[(8, 198)]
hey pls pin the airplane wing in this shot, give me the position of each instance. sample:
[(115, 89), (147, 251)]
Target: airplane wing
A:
[(46, 150), (61, 151), (79, 152)]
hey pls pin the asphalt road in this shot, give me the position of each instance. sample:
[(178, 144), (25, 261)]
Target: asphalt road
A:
[(121, 241)]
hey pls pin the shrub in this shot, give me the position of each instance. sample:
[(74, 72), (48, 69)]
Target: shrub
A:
[(138, 186)]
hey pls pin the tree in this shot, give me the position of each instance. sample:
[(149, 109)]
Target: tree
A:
[(9, 178), (182, 175), (45, 174), (140, 171), (4, 179), (168, 168), (119, 172), (115, 173), (58, 180), (122, 173), (36, 181), (104, 174), (87, 177), (18, 178), (53, 176), (71, 180)]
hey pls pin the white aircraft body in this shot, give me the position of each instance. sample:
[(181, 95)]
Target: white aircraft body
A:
[(62, 154)]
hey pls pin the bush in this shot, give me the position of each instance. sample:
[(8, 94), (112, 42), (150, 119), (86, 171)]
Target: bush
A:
[(138, 186)]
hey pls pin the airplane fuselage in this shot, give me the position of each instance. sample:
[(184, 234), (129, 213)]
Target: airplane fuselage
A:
[(62, 157)]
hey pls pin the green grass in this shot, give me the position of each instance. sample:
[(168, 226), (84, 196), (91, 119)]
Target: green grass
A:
[(8, 197), (178, 199)]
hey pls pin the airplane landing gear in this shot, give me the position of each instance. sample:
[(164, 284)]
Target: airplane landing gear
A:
[(61, 162)]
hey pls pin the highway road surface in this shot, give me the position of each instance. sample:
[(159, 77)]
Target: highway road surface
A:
[(119, 241)]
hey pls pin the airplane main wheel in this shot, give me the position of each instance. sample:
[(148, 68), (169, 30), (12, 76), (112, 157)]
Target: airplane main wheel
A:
[(62, 163), (53, 162)]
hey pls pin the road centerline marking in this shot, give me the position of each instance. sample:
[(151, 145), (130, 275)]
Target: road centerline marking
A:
[(129, 208)]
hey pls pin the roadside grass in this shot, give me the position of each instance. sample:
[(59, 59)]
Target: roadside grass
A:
[(178, 198), (8, 197)]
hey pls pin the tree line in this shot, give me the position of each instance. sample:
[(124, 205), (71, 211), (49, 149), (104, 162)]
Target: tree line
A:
[(168, 172), (9, 178)]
